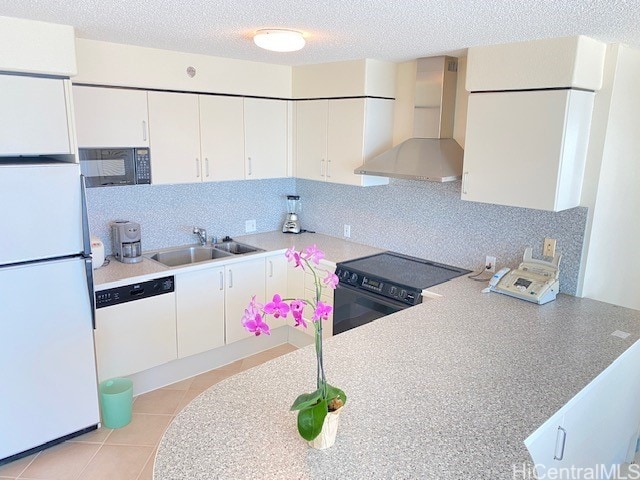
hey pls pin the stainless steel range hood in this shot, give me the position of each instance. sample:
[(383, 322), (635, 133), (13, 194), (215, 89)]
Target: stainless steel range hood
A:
[(431, 154)]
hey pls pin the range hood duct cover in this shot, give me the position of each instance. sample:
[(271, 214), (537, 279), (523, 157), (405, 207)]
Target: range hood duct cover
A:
[(432, 154)]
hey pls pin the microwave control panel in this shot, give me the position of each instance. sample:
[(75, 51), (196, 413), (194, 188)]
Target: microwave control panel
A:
[(143, 166)]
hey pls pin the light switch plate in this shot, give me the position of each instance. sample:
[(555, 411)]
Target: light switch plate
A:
[(250, 226)]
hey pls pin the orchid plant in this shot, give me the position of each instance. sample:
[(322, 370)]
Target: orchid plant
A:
[(312, 407)]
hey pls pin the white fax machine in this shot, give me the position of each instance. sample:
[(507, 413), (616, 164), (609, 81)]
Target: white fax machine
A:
[(534, 280)]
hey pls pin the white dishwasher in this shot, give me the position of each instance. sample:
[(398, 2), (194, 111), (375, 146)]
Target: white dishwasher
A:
[(135, 327)]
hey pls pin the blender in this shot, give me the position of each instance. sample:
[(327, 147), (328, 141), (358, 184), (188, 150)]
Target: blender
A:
[(292, 224)]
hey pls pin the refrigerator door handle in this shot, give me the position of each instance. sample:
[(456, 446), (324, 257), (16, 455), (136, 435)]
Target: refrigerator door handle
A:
[(86, 238), (88, 266), (86, 241)]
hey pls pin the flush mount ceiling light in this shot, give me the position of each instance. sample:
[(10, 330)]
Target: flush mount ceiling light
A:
[(279, 40)]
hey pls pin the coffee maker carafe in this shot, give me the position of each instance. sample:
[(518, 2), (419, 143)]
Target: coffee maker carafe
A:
[(125, 237), (292, 223)]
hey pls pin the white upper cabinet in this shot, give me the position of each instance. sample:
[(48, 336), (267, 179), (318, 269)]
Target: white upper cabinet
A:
[(334, 137), (110, 117), (529, 120), (527, 149), (266, 138), (33, 116), (222, 138), (311, 139), (174, 133)]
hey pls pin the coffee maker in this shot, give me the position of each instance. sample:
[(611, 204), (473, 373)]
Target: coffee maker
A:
[(292, 224), (125, 238)]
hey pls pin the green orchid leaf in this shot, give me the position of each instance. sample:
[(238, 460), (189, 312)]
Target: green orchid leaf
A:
[(333, 392), (310, 420), (306, 400)]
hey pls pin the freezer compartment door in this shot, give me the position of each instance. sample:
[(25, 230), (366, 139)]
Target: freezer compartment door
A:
[(41, 214), (48, 374)]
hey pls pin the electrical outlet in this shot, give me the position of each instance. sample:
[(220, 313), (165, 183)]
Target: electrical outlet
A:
[(347, 231), (549, 247), (250, 226), (490, 264)]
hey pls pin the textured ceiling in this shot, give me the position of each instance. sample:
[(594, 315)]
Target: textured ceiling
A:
[(335, 29)]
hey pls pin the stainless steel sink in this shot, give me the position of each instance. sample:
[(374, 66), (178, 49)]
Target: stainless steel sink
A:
[(236, 248), (186, 255)]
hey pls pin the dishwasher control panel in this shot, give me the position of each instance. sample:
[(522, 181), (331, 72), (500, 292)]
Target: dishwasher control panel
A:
[(136, 291)]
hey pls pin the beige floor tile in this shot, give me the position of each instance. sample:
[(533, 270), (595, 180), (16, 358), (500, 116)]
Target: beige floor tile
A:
[(205, 380), (158, 401), (15, 468), (117, 462), (189, 395), (147, 472), (95, 436), (182, 385), (62, 462), (144, 429)]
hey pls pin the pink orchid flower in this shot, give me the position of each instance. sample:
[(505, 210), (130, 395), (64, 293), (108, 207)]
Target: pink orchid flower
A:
[(313, 254), (322, 311), (277, 307), (294, 256), (256, 325), (331, 280), (297, 307)]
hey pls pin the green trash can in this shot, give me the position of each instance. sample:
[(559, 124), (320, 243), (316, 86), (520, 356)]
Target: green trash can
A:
[(116, 400)]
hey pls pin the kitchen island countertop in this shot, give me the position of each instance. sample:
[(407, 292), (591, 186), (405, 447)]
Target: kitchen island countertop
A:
[(447, 389)]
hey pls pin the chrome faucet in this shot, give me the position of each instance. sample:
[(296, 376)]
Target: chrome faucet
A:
[(202, 235)]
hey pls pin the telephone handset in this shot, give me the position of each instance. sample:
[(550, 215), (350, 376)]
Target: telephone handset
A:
[(536, 281), (498, 275)]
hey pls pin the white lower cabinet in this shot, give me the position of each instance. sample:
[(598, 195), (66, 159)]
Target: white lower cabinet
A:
[(599, 426), (200, 311), (276, 269), (134, 336), (243, 280), (304, 284)]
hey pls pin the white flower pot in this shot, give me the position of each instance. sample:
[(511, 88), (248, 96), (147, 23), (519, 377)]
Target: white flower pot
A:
[(327, 436)]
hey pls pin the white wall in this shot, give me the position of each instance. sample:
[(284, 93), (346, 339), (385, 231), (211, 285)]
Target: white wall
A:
[(104, 63), (612, 263)]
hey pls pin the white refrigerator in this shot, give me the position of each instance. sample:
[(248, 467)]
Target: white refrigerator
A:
[(48, 386)]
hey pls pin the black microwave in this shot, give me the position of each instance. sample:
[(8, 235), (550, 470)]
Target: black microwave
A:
[(105, 167)]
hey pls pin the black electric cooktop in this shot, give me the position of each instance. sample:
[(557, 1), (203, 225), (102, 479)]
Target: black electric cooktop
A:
[(410, 271), (396, 276)]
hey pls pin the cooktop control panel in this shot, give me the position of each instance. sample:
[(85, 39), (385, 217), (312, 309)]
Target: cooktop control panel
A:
[(379, 286)]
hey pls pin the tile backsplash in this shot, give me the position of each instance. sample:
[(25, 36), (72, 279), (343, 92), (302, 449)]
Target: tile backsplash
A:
[(168, 213), (423, 219), (429, 220)]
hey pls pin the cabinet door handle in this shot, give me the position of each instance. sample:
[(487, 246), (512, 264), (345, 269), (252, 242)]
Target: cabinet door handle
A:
[(144, 130), (328, 162), (230, 279), (561, 439), (249, 169), (221, 280), (197, 168), (464, 182), (206, 166), (322, 167), (270, 268)]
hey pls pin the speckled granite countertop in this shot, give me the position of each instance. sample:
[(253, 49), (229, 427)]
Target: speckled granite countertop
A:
[(337, 250), (448, 389)]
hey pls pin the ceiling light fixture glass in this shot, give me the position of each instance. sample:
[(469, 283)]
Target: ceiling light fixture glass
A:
[(279, 40)]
